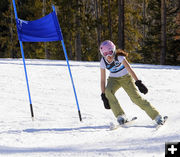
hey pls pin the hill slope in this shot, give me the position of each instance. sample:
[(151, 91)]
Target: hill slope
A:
[(57, 131)]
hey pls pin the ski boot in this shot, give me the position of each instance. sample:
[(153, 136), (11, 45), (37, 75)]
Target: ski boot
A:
[(121, 119)]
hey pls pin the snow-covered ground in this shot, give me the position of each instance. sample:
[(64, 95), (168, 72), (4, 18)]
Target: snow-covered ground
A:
[(57, 131)]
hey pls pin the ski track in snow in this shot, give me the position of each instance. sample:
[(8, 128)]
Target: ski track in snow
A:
[(56, 130)]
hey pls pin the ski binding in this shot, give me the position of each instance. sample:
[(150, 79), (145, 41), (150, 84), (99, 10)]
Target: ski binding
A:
[(116, 126)]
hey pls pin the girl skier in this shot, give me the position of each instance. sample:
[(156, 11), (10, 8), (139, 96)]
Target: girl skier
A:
[(121, 75)]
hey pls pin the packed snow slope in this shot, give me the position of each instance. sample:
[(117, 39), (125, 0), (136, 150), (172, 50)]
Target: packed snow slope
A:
[(56, 130)]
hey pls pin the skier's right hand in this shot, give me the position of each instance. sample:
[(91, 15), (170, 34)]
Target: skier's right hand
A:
[(105, 101)]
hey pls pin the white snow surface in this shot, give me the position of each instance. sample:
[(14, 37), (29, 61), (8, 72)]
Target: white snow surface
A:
[(57, 131)]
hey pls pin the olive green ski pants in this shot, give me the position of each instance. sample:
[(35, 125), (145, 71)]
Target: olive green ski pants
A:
[(127, 83)]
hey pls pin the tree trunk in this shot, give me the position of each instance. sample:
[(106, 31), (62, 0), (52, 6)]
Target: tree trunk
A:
[(11, 32), (121, 43), (103, 29), (109, 20), (144, 17), (47, 55), (163, 32), (78, 37), (98, 26)]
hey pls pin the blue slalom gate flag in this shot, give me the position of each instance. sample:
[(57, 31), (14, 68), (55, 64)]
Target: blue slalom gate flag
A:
[(44, 29)]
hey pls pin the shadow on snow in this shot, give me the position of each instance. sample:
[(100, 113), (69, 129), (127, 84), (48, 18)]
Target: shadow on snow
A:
[(150, 145), (89, 128)]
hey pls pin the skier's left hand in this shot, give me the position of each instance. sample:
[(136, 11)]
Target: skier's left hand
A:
[(142, 88)]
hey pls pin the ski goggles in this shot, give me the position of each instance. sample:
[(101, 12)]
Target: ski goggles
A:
[(109, 53)]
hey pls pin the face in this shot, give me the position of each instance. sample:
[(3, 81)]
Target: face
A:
[(109, 58)]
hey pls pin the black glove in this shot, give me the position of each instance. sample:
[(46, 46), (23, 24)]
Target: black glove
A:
[(105, 101), (142, 88)]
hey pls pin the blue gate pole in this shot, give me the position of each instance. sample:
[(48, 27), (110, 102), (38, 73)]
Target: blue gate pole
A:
[(69, 69), (24, 63), (65, 53)]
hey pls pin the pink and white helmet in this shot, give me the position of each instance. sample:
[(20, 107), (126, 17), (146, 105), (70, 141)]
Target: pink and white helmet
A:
[(107, 47)]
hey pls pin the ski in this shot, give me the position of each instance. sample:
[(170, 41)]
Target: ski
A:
[(160, 125), (116, 126)]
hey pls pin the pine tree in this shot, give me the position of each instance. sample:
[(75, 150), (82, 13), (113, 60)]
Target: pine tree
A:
[(152, 45)]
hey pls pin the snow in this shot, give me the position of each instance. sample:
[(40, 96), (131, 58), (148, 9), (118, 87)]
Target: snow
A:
[(56, 130)]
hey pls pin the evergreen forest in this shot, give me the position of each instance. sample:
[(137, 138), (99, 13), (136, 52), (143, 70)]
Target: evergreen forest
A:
[(149, 30)]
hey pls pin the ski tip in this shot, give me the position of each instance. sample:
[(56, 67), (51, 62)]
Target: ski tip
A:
[(134, 118)]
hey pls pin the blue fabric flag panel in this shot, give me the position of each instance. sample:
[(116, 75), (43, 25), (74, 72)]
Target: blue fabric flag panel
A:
[(44, 29)]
